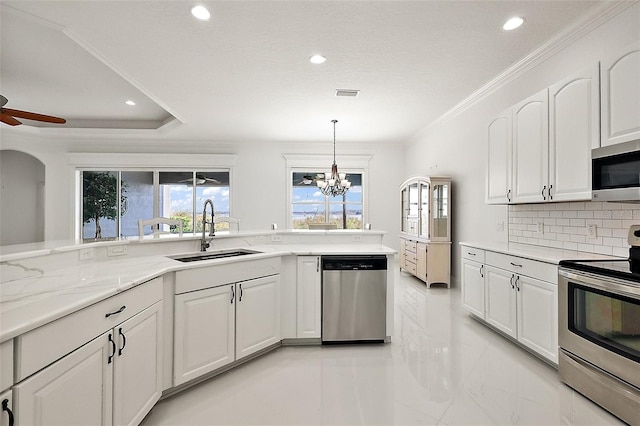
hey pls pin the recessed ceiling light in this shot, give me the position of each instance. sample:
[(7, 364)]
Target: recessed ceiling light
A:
[(317, 59), (129, 102), (513, 23), (201, 13)]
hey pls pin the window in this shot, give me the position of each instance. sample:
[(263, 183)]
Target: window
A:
[(114, 200), (309, 205)]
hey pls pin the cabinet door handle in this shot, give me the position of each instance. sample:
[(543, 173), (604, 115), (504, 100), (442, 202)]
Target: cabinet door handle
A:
[(549, 192), (517, 286), (543, 189), (113, 349), (122, 308), (5, 407), (482, 271), (511, 281), (240, 299), (515, 264), (509, 195), (124, 341), (233, 294), (317, 264)]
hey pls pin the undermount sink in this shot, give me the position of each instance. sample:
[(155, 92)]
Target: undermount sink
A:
[(212, 255)]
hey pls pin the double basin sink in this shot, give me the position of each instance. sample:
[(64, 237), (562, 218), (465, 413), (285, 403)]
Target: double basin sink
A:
[(213, 255)]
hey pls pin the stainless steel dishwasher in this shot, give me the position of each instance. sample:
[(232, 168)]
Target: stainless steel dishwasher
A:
[(354, 298)]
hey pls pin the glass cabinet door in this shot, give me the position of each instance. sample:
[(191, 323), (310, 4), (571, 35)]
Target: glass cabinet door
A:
[(424, 210), (405, 209), (413, 200), (440, 207)]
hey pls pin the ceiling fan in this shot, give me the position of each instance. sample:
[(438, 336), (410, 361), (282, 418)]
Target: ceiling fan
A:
[(200, 180), (8, 115)]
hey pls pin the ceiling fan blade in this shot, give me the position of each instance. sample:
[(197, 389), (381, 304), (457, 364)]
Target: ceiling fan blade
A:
[(7, 119), (33, 116)]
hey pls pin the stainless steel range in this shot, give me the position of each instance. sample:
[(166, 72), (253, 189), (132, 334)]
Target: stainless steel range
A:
[(599, 333)]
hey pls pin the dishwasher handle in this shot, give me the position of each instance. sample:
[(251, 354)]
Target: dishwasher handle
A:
[(354, 263)]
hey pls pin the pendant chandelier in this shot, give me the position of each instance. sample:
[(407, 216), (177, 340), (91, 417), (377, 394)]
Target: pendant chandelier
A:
[(334, 183)]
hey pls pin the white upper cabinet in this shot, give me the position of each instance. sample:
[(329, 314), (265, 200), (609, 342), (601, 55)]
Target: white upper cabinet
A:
[(531, 149), (499, 159), (540, 149), (620, 86), (573, 133)]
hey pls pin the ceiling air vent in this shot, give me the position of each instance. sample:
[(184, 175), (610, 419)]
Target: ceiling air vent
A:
[(347, 92)]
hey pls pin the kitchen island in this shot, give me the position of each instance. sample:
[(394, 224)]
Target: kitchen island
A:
[(82, 302)]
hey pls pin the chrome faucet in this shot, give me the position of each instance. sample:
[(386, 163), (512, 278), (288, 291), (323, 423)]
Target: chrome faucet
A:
[(204, 243)]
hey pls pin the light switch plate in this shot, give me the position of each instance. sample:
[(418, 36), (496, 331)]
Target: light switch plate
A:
[(592, 231)]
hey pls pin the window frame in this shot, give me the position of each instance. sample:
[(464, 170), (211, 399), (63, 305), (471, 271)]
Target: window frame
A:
[(346, 164), (139, 162)]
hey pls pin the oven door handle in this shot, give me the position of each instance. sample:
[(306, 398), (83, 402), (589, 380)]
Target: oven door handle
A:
[(600, 282)]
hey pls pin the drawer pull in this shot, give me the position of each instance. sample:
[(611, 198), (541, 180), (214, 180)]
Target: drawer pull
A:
[(113, 347), (116, 312), (124, 341), (5, 407), (515, 264), (471, 254)]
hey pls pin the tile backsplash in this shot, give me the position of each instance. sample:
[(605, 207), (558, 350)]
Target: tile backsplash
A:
[(566, 225)]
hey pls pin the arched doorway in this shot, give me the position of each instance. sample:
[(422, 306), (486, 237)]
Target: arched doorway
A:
[(22, 183)]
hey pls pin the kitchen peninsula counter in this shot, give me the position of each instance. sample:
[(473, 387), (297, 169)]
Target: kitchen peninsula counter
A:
[(45, 282)]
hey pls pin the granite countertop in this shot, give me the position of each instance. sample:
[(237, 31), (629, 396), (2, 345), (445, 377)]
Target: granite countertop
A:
[(542, 254), (31, 296)]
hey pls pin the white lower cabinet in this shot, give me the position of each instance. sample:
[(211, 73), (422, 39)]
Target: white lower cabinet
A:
[(538, 316), (257, 314), (309, 302), (6, 412), (204, 332), (473, 287), (501, 300), (217, 326), (115, 379), (520, 306)]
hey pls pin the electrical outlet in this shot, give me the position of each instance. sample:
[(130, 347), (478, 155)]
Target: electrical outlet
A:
[(356, 238), (592, 231), (540, 228), (85, 253), (117, 251), (276, 238), (259, 238)]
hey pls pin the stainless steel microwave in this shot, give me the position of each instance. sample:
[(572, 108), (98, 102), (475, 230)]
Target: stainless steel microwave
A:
[(616, 172)]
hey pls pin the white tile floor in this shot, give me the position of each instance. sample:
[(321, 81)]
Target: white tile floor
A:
[(442, 368)]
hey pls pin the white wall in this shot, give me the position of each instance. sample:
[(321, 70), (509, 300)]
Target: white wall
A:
[(458, 147), (22, 178), (259, 176)]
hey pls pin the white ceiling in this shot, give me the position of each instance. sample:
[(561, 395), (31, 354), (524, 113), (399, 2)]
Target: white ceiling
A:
[(245, 75)]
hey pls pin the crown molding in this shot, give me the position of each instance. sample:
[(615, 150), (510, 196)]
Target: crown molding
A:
[(587, 23)]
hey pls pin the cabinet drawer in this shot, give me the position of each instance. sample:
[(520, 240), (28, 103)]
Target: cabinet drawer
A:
[(44, 345), (472, 253), (410, 246), (227, 273), (541, 270), (410, 267), (6, 365), (410, 257)]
